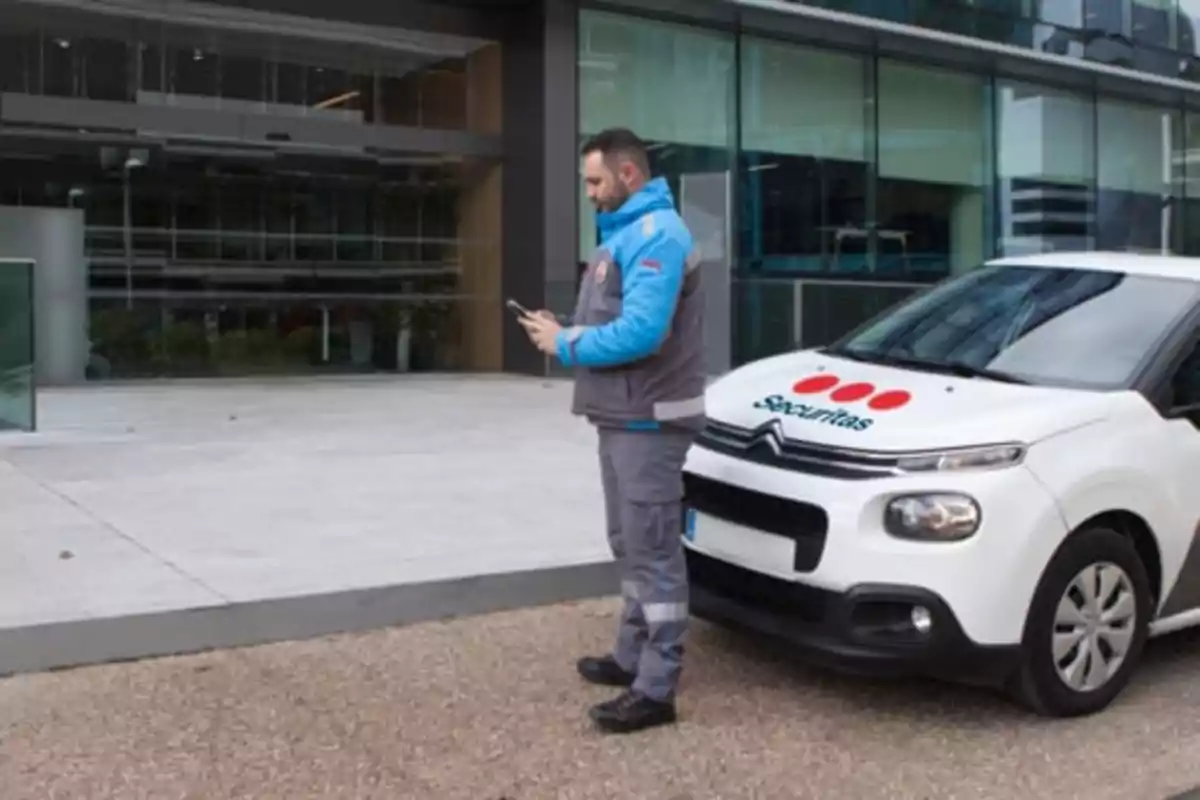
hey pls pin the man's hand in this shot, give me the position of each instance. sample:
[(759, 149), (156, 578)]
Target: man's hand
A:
[(542, 328)]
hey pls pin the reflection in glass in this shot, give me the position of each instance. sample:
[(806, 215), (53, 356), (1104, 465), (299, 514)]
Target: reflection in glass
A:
[(935, 171), (1050, 326), (17, 393), (1045, 165), (671, 84), (1153, 22), (804, 160), (393, 83), (260, 264), (1137, 177), (1187, 20), (1190, 219)]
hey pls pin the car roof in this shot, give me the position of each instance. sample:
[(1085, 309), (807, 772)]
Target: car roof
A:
[(1178, 267)]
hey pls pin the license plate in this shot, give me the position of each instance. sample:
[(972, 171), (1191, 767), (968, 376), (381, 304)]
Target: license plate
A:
[(689, 524), (758, 550)]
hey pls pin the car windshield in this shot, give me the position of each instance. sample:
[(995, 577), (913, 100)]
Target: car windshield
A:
[(1066, 327)]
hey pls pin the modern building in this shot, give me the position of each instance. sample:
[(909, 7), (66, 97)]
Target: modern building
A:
[(308, 185)]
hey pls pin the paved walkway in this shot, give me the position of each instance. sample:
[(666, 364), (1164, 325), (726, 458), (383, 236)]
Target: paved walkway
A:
[(489, 708), (275, 509)]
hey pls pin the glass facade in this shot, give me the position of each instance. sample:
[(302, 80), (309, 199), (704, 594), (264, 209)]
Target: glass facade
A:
[(252, 200), (315, 74), (856, 180), (1146, 35)]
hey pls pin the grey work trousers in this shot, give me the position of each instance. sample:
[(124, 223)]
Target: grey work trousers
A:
[(643, 491)]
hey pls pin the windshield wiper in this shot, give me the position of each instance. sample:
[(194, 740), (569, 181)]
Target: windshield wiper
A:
[(848, 354), (970, 371), (960, 368)]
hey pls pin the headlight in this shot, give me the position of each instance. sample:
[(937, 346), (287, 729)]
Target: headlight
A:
[(934, 517), (988, 457)]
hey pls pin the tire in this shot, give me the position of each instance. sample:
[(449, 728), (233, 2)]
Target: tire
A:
[(1112, 563)]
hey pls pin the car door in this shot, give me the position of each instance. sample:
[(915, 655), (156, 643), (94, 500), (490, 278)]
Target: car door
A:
[(1174, 390)]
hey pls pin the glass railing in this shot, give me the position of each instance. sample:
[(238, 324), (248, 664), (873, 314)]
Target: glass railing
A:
[(778, 315), (18, 401), (408, 253)]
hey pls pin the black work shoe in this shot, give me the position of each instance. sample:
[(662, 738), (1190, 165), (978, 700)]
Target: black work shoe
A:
[(632, 712), (604, 671)]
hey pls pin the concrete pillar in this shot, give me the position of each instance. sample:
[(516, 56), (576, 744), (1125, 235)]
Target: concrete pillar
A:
[(53, 238), (541, 195)]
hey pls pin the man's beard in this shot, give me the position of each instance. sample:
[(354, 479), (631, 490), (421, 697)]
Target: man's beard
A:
[(615, 200)]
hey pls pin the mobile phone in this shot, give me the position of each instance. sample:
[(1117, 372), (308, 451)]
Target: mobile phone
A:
[(517, 308)]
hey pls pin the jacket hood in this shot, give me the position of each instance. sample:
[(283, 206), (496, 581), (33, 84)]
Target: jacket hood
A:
[(654, 196), (832, 401)]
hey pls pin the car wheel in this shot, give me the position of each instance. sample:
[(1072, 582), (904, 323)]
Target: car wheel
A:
[(1086, 627)]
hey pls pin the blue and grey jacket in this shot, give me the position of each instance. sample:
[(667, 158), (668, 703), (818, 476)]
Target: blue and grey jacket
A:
[(637, 335)]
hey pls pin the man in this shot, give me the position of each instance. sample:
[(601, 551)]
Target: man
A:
[(636, 342)]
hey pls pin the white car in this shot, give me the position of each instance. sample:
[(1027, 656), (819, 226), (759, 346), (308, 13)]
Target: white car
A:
[(996, 481)]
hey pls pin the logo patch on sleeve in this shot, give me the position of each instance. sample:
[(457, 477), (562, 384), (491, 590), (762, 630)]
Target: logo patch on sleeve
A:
[(648, 225), (652, 263)]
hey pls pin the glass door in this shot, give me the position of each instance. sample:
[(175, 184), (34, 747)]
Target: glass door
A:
[(18, 406)]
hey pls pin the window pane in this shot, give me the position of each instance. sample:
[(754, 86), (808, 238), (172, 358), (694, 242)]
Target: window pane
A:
[(804, 161), (1191, 186), (150, 67), (16, 345), (935, 171), (192, 72), (58, 66), (1105, 16), (104, 70), (243, 77), (1136, 176), (1188, 20), (19, 63), (1045, 169), (1153, 22), (671, 84)]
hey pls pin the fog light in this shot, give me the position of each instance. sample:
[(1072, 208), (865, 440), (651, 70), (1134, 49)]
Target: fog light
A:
[(922, 620)]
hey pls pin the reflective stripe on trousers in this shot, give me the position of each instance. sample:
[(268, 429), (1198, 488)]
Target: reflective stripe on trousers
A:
[(641, 473)]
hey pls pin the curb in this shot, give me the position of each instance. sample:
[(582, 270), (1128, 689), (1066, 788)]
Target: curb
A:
[(62, 645)]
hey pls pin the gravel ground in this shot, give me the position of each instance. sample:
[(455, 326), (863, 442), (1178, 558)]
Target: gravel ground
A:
[(490, 707)]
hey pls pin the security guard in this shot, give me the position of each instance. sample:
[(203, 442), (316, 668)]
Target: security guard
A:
[(636, 341)]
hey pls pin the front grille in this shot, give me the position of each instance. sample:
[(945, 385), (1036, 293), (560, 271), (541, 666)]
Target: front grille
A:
[(804, 523), (754, 589), (767, 445)]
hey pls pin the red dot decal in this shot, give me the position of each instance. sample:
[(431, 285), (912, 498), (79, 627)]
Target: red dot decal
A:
[(886, 401), (815, 383), (851, 392)]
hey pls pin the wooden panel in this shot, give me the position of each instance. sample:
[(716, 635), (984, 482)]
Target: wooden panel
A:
[(485, 91), (481, 316), (480, 222)]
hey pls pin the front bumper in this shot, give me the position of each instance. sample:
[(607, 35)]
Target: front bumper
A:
[(865, 629)]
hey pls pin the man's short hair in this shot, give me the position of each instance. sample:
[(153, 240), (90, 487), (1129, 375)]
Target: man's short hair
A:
[(614, 143)]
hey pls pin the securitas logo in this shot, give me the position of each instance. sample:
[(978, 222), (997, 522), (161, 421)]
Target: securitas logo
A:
[(855, 418)]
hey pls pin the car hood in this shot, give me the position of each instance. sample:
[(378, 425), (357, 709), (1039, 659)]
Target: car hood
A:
[(829, 400)]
